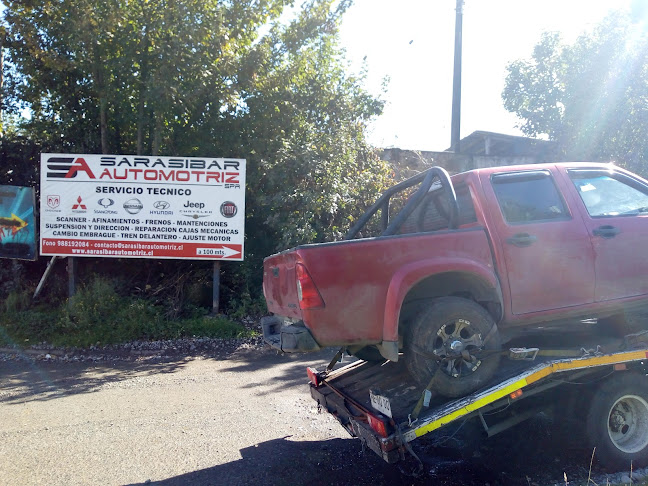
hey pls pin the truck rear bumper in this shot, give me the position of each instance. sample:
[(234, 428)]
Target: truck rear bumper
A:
[(289, 338), (387, 448)]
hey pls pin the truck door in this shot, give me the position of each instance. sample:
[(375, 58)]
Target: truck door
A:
[(616, 217), (546, 251)]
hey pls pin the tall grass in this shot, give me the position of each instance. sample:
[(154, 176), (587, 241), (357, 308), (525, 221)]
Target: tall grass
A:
[(99, 314)]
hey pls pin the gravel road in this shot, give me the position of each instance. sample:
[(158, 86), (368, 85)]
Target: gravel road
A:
[(239, 417)]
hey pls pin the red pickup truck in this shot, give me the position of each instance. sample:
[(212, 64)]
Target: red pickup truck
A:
[(464, 265)]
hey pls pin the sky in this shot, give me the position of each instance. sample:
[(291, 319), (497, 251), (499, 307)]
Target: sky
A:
[(413, 44)]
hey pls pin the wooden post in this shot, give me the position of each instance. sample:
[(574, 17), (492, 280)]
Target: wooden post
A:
[(71, 268), (216, 290), (50, 265)]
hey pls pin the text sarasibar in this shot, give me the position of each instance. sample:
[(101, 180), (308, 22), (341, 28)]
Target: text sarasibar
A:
[(170, 163)]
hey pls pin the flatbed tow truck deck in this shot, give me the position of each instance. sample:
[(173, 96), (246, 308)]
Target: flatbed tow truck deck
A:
[(380, 404)]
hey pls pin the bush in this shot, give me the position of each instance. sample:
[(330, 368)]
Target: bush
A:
[(214, 327), (17, 301), (99, 314), (28, 326), (247, 306)]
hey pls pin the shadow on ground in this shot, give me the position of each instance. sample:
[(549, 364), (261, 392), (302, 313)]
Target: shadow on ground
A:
[(27, 381), (22, 382), (537, 453), (292, 373), (282, 462)]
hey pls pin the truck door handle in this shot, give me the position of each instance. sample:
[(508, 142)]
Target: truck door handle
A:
[(522, 239), (606, 231)]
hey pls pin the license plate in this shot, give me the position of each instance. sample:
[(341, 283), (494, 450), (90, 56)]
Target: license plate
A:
[(380, 403)]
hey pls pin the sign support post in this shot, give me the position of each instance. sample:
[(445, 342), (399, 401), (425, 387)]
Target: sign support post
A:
[(71, 269), (216, 290)]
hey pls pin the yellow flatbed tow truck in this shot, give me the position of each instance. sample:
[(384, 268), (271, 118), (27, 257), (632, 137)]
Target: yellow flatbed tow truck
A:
[(602, 384)]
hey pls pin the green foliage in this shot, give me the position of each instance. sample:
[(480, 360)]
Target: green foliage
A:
[(590, 96), (214, 327), (16, 301), (128, 76), (247, 306), (304, 123), (29, 326), (534, 90), (98, 314), (92, 304), (121, 77), (18, 160)]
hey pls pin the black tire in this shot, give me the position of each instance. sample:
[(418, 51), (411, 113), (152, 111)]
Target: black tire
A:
[(617, 422), (616, 325), (369, 353), (622, 324), (447, 343)]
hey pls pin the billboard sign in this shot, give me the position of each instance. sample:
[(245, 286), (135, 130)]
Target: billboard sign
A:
[(142, 207), (17, 228)]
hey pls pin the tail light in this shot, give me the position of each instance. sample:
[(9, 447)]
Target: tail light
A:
[(313, 376), (309, 296), (379, 426)]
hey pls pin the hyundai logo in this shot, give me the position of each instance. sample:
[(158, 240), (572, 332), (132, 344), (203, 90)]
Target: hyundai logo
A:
[(162, 205)]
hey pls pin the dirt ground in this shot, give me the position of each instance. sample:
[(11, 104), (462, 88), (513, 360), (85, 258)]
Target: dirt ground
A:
[(245, 418)]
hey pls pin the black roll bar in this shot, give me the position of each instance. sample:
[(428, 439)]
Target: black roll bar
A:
[(382, 203)]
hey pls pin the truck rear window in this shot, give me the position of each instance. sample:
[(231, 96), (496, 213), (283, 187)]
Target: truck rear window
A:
[(432, 214), (528, 196)]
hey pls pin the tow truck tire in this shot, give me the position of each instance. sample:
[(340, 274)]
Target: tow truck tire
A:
[(617, 422), (616, 325), (621, 324), (452, 346)]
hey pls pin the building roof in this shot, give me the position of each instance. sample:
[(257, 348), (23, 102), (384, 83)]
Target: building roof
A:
[(499, 144)]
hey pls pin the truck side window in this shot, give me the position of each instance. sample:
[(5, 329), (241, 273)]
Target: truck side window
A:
[(528, 196), (610, 194)]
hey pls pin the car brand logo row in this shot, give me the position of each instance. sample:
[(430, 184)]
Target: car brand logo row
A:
[(134, 205)]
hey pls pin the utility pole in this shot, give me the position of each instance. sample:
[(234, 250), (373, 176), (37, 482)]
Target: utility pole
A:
[(456, 82)]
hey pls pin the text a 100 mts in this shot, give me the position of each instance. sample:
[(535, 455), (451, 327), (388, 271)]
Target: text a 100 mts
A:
[(210, 251)]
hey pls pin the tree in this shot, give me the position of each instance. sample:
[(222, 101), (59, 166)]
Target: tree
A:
[(305, 120), (208, 78), (123, 75), (590, 97)]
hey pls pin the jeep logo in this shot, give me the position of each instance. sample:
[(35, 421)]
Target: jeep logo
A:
[(190, 204)]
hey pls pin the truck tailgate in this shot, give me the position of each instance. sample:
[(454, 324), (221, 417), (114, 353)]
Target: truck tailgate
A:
[(279, 284)]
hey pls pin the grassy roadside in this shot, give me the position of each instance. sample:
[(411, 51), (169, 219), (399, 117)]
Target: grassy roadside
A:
[(97, 314)]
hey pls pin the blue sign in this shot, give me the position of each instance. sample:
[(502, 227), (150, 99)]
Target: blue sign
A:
[(17, 224)]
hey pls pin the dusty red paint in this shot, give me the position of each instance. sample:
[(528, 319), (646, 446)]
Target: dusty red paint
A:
[(566, 272)]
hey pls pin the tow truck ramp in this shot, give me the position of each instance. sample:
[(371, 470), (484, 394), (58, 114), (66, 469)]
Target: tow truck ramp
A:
[(381, 405)]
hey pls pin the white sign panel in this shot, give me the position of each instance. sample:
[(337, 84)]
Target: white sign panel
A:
[(142, 207)]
